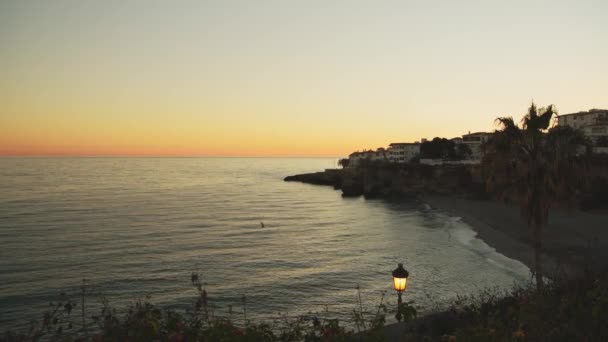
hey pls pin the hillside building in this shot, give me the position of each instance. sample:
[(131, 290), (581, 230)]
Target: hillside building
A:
[(403, 152), (356, 158), (474, 141), (593, 123)]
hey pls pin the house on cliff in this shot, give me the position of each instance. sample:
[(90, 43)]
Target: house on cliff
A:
[(474, 142), (396, 153), (593, 123), (403, 152), (357, 158)]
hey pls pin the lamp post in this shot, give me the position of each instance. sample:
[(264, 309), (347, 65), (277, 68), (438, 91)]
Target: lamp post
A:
[(399, 284)]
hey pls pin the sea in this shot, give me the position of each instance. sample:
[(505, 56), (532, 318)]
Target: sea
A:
[(133, 229)]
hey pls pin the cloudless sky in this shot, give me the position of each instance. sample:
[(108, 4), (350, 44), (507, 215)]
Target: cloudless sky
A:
[(285, 78)]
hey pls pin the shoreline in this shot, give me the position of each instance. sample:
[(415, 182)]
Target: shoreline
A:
[(499, 240), (573, 241), (501, 227)]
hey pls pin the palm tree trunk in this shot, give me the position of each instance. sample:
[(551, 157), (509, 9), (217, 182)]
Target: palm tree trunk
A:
[(538, 268)]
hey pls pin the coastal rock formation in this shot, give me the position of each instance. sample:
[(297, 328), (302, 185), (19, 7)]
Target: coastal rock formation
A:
[(328, 177), (398, 180)]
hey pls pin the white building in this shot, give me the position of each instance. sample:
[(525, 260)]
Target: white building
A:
[(403, 152), (593, 123), (474, 141), (457, 140), (371, 156)]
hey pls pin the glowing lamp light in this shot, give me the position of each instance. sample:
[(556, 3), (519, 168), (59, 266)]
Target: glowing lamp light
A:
[(399, 284), (400, 278)]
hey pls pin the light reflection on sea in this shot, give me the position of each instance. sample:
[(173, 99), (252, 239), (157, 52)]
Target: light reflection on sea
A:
[(136, 226)]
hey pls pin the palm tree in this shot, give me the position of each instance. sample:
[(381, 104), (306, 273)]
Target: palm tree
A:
[(536, 167), (344, 162)]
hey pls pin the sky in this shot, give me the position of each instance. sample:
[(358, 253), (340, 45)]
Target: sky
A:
[(285, 78)]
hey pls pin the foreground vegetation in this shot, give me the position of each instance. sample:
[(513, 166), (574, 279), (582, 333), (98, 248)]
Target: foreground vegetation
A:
[(565, 310), (67, 320)]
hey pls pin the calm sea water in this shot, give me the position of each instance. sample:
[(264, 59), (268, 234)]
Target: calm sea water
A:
[(139, 226)]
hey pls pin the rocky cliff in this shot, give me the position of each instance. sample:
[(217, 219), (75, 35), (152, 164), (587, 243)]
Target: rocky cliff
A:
[(399, 180)]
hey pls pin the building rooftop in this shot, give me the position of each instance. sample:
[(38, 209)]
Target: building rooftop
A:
[(591, 111), (365, 152), (477, 133), (396, 144)]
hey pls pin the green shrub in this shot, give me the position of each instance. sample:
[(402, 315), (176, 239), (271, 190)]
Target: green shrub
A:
[(566, 310), (143, 321)]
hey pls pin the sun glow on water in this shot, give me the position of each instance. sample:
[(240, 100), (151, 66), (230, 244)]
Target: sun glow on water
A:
[(135, 226)]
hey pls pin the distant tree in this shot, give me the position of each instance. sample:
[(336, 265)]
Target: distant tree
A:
[(344, 162), (463, 151), (536, 167), (438, 148)]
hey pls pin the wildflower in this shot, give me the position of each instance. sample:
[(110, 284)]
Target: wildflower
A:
[(519, 334)]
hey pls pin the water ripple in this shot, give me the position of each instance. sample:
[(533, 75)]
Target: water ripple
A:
[(136, 226)]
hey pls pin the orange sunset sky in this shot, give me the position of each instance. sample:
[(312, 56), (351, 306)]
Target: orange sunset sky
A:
[(285, 78)]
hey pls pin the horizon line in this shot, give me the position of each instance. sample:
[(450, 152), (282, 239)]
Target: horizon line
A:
[(153, 156)]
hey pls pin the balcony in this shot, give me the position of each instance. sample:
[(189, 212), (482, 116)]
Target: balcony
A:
[(601, 120)]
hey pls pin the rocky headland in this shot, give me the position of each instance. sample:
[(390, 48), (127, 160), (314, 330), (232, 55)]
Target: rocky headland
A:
[(410, 180), (575, 240)]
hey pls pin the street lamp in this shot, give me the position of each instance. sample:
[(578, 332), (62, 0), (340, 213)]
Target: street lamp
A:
[(399, 284)]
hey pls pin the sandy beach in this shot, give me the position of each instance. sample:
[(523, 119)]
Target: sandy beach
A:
[(572, 241)]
